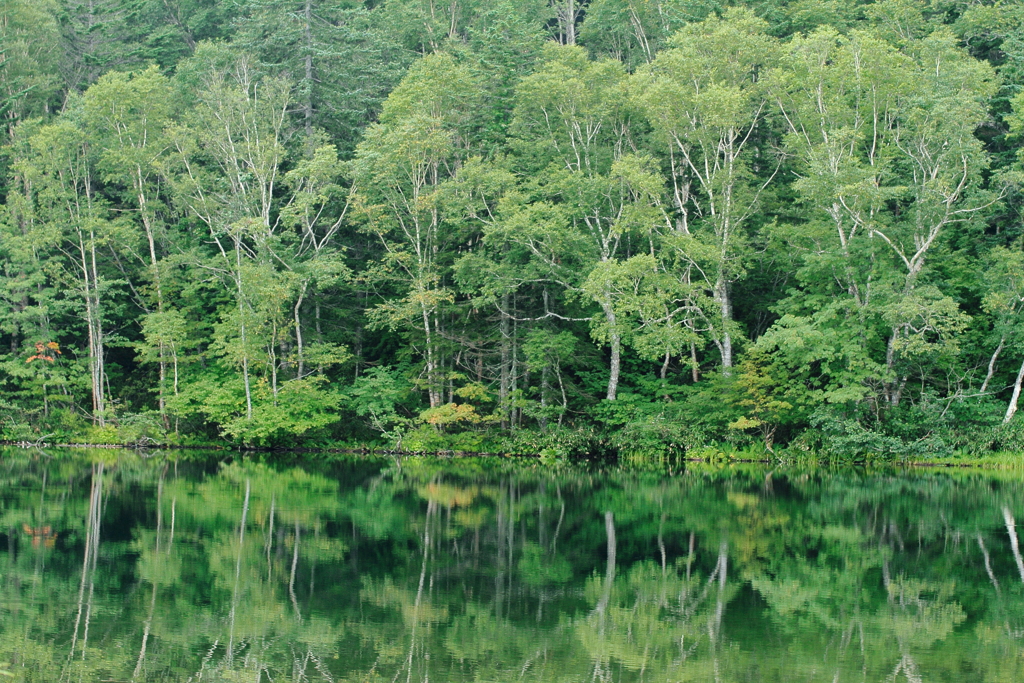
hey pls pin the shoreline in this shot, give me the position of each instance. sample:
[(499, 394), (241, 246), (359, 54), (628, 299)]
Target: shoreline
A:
[(993, 462)]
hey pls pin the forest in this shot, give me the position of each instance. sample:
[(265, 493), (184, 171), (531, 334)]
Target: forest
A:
[(533, 226)]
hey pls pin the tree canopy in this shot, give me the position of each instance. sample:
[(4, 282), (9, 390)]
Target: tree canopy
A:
[(560, 225)]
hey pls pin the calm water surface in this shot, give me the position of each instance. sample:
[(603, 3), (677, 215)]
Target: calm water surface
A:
[(118, 568)]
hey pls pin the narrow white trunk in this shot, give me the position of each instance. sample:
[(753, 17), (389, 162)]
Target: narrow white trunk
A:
[(1012, 408), (725, 307), (433, 392), (505, 380), (238, 572), (90, 295), (242, 330), (992, 365), (615, 341), (301, 370), (147, 224)]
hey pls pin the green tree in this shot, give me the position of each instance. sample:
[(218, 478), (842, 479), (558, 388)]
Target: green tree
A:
[(126, 117), (97, 38), (891, 171), (230, 155), (587, 196), (69, 213), (705, 100), (400, 167), (29, 80), (340, 62)]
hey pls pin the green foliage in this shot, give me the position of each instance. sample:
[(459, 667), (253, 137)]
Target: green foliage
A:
[(341, 61), (903, 437), (378, 395), (559, 443), (29, 77), (655, 438)]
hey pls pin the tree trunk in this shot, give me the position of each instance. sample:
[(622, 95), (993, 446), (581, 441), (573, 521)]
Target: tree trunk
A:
[(433, 391), (565, 396), (94, 325), (890, 366), (505, 381), (545, 387), (298, 333), (272, 357), (245, 376), (147, 224), (570, 22), (615, 340), (517, 413), (242, 330), (1012, 408), (694, 366), (992, 365), (725, 343)]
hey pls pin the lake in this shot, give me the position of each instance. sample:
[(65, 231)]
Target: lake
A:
[(180, 567)]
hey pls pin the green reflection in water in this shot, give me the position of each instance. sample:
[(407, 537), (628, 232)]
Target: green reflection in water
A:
[(118, 568)]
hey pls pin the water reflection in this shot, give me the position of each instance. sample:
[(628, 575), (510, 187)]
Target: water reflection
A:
[(126, 569)]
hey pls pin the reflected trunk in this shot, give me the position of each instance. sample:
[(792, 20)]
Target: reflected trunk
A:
[(87, 583), (238, 573), (1011, 529)]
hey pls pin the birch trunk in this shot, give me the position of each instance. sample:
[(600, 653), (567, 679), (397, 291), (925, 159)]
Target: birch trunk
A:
[(992, 364), (433, 391), (91, 297), (239, 291), (299, 350), (1012, 408), (725, 339), (505, 381), (615, 340), (147, 224)]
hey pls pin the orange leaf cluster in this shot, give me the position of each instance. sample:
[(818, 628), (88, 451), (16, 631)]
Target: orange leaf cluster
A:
[(42, 350)]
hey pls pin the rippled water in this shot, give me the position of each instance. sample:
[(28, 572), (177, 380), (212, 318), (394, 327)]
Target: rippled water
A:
[(118, 568)]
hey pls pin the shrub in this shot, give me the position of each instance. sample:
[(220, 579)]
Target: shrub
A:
[(559, 443)]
